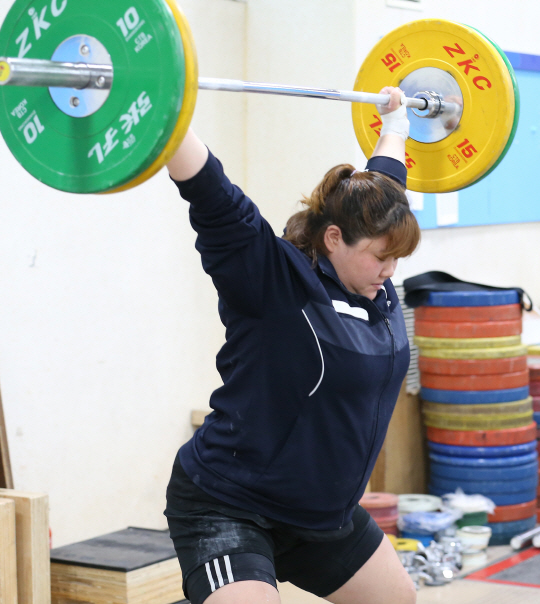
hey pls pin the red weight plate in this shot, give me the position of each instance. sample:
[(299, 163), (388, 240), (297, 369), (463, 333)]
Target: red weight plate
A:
[(534, 371), (484, 329), (379, 500), (483, 438), (387, 523), (536, 404), (498, 381), (472, 366), (508, 513), (506, 312), (392, 530), (534, 389), (387, 515)]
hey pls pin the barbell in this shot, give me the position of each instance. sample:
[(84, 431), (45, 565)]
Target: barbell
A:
[(96, 97)]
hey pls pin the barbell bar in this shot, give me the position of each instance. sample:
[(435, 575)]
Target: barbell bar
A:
[(82, 76), (106, 100)]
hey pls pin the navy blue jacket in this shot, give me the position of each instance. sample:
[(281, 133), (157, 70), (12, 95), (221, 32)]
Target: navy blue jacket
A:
[(311, 372)]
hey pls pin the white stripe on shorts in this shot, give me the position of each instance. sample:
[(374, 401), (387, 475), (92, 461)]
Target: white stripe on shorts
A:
[(218, 572), (210, 578), (229, 569)]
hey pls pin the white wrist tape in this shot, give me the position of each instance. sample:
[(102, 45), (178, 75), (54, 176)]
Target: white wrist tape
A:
[(396, 122)]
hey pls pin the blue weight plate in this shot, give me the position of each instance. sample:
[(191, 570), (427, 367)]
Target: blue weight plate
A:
[(485, 487), (474, 397), (498, 499), (502, 474), (536, 417), (462, 451), (424, 539), (500, 540), (484, 462), (473, 298), (513, 528)]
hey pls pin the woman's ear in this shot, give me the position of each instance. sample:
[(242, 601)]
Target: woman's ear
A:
[(332, 238)]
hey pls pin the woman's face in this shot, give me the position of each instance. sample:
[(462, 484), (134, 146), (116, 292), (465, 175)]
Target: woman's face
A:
[(360, 266)]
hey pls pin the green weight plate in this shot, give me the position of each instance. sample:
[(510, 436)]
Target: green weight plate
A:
[(124, 137), (516, 105), (188, 102)]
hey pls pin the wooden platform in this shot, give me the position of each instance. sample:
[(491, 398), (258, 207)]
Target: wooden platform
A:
[(132, 566), (32, 545)]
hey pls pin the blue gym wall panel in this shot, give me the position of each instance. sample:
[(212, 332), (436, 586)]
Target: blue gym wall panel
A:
[(510, 193)]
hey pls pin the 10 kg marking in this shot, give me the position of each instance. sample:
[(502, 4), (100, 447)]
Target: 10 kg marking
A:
[(32, 128), (129, 22)]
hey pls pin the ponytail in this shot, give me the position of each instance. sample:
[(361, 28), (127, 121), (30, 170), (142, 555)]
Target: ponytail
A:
[(362, 205)]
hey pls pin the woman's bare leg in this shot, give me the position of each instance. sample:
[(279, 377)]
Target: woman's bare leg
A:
[(382, 580), (245, 592)]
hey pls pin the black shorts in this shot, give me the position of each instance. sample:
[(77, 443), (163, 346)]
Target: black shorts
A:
[(218, 544)]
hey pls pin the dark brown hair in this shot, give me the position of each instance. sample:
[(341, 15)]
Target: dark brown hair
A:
[(362, 205)]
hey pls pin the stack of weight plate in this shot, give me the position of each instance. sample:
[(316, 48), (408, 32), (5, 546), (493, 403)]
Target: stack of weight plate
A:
[(383, 508), (477, 408), (534, 377)]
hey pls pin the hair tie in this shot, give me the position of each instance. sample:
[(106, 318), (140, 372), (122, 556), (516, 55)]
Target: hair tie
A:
[(353, 173)]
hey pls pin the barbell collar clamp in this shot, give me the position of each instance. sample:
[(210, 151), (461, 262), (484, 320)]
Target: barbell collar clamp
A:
[(436, 105), (53, 74), (433, 104)]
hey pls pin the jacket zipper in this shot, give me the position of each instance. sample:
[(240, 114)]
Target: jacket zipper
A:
[(390, 331), (393, 358)]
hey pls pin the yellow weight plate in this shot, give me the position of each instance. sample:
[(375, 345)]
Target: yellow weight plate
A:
[(405, 545), (474, 353), (393, 540), (477, 422), (517, 102), (440, 409), (534, 350), (469, 150), (424, 342), (188, 102), (5, 71)]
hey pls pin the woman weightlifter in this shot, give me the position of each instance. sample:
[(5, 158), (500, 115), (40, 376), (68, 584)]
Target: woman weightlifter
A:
[(315, 355)]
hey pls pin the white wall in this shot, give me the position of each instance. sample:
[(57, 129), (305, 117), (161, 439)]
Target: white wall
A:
[(108, 329), (108, 325)]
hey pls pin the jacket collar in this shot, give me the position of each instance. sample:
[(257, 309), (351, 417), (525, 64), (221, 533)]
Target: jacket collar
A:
[(386, 299)]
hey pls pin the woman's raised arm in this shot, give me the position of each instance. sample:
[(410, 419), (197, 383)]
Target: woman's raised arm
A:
[(189, 159), (395, 130)]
